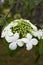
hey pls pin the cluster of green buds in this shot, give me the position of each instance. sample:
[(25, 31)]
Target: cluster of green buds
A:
[(22, 28)]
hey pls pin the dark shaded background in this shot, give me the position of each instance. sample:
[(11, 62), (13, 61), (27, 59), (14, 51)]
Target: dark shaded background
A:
[(19, 9)]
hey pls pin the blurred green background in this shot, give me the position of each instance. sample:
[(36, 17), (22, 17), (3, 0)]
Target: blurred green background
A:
[(15, 9)]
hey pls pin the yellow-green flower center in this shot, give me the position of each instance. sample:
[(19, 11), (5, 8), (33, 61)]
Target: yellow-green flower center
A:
[(22, 28)]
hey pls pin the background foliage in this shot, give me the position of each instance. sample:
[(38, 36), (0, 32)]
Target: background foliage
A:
[(28, 9)]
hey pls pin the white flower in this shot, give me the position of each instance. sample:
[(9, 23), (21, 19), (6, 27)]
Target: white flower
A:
[(28, 44), (12, 38), (12, 46), (29, 41), (38, 34), (6, 33), (20, 43), (14, 41), (29, 36), (34, 41), (7, 30)]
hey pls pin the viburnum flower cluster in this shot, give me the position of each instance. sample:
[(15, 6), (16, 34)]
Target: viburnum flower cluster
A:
[(20, 32)]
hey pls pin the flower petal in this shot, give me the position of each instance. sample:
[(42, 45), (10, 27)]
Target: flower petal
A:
[(9, 39), (34, 41), (34, 27), (20, 43), (6, 32), (3, 34), (16, 36), (12, 38), (25, 40), (9, 32), (9, 26), (29, 36), (29, 46), (38, 34), (12, 46)]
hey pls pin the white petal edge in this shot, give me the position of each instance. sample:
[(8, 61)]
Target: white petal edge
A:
[(12, 46), (29, 46), (38, 34), (3, 34), (34, 41), (9, 33), (16, 36), (25, 40), (9, 39), (29, 36), (12, 38), (9, 26), (20, 43)]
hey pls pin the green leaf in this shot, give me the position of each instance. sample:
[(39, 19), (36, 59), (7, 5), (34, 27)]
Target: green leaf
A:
[(41, 47)]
